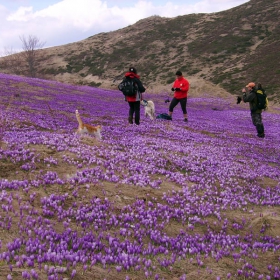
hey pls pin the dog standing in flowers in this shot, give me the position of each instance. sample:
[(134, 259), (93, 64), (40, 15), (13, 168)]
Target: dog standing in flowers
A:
[(87, 128), (149, 108)]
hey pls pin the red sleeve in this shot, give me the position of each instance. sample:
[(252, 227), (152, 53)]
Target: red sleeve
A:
[(185, 85)]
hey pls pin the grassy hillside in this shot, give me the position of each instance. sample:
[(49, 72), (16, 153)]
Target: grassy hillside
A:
[(162, 200), (228, 49)]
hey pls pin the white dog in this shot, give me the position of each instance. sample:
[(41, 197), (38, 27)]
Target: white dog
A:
[(149, 108)]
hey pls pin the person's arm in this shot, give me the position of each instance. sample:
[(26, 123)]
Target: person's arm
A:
[(185, 86), (141, 88), (248, 97), (174, 86)]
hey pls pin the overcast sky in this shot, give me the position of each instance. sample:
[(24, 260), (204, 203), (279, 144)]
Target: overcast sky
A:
[(59, 22)]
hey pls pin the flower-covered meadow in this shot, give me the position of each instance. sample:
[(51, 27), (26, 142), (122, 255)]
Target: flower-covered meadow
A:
[(162, 200)]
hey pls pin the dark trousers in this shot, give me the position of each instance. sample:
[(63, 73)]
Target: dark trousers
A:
[(175, 101), (134, 109), (256, 118), (257, 122)]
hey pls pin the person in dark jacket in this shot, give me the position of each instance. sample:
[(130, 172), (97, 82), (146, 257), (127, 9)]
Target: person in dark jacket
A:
[(180, 87), (250, 96), (134, 101)]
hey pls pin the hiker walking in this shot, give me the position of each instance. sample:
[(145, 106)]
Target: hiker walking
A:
[(180, 87), (250, 96), (134, 100)]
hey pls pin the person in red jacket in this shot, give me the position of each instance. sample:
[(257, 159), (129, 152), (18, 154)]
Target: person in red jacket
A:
[(180, 87), (134, 101)]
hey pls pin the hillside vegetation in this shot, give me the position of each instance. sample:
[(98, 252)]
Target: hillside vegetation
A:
[(228, 49), (162, 200)]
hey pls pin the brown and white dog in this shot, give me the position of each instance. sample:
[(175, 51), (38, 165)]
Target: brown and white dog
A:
[(149, 108)]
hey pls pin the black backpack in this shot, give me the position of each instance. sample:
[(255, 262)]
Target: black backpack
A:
[(164, 116), (128, 87), (262, 98)]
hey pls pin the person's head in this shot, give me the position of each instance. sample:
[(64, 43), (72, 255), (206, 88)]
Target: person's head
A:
[(179, 74), (250, 86), (132, 69)]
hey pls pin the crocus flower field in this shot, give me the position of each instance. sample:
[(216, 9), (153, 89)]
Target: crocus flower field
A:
[(162, 200)]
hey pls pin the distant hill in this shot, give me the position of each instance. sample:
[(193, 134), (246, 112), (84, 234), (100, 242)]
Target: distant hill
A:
[(228, 49)]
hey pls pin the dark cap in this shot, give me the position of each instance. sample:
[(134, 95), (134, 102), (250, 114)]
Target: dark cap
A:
[(179, 73), (132, 69)]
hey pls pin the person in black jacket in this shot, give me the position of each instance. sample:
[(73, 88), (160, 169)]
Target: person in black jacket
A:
[(134, 101), (250, 96)]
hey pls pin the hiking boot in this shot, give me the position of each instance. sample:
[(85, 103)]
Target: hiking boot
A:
[(260, 130), (130, 120), (185, 120)]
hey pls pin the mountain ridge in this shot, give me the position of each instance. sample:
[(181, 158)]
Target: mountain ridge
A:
[(228, 49)]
